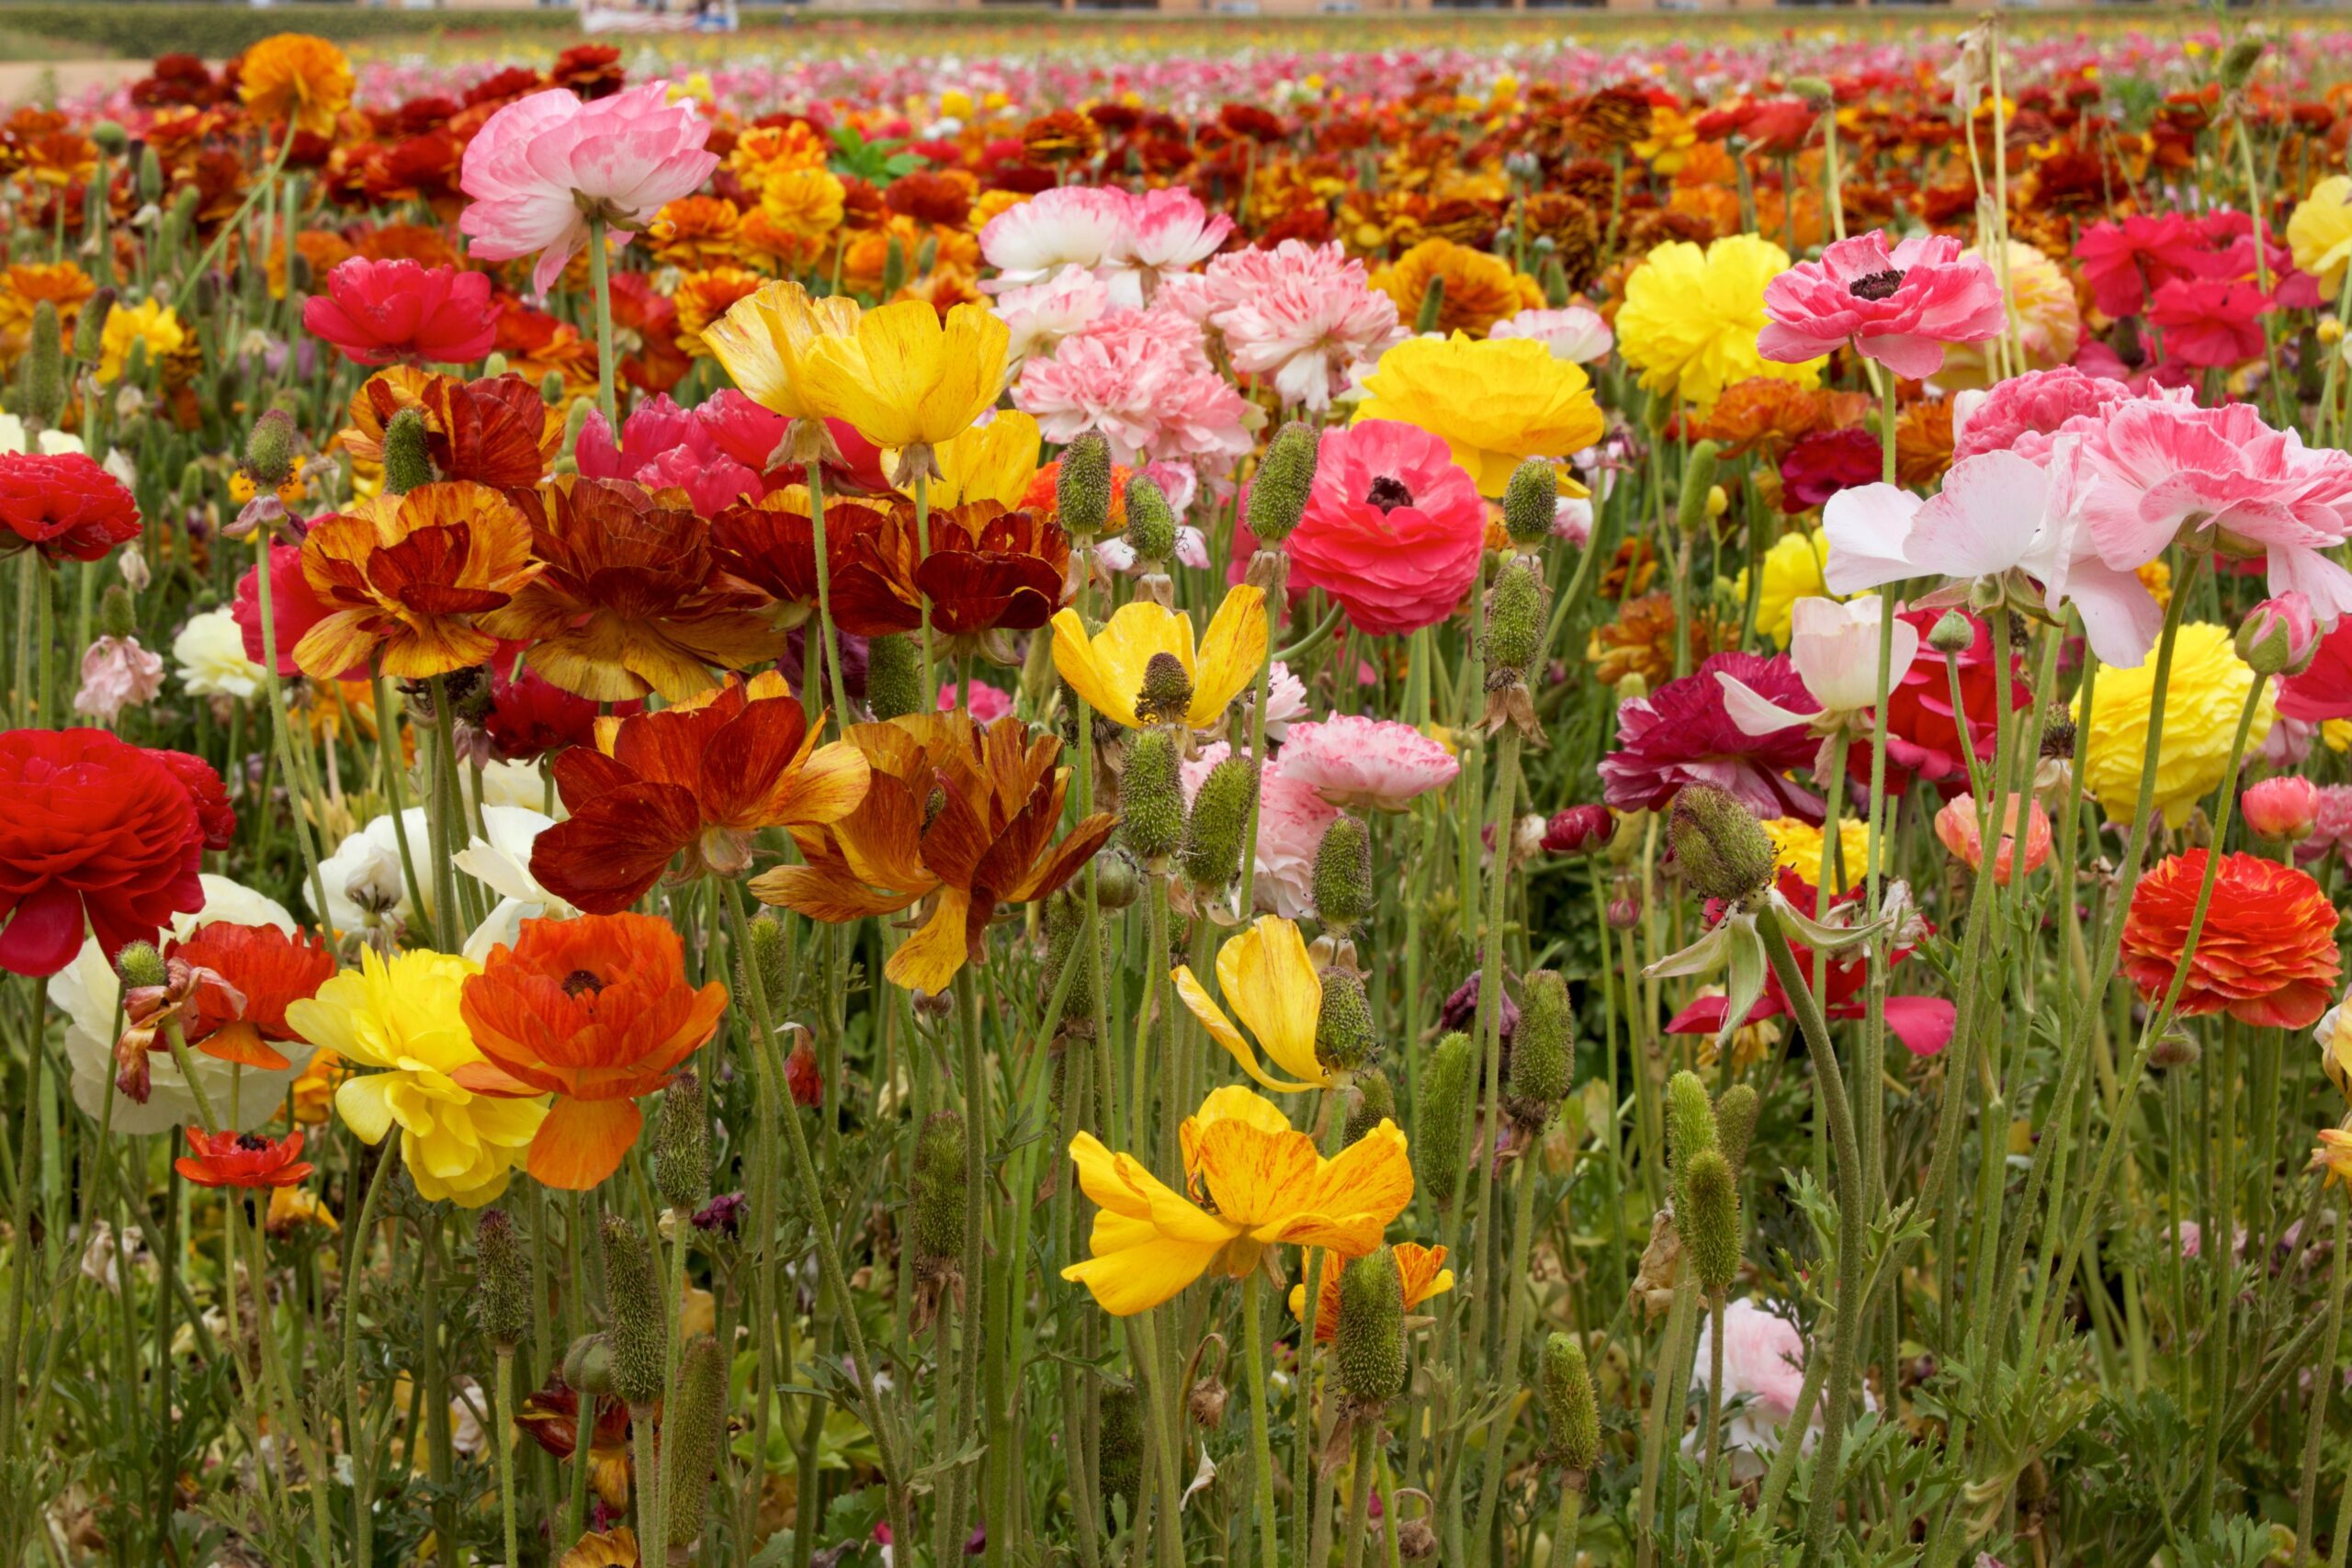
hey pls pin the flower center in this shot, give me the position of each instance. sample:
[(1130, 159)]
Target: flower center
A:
[(251, 1142), (1877, 285), (581, 980), (1388, 494)]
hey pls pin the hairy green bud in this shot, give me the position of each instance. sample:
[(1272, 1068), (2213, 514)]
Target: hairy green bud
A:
[(2238, 63), (1368, 1348), (269, 449), (43, 371), (1571, 1404), (1151, 796), (1531, 502), (762, 962), (697, 1424), (140, 964), (1709, 1219), (1218, 824), (936, 1228), (1082, 487), (501, 1281), (407, 464), (1065, 923), (638, 1330), (1515, 614), (1542, 1047), (1119, 1447), (1951, 634), (893, 677), (90, 327), (1344, 1037), (1724, 851), (1341, 886), (1437, 1144), (1166, 694), (1736, 1123), (1432, 304), (116, 618), (1278, 494), (1375, 1102), (1151, 524), (151, 173), (681, 1144), (551, 388), (111, 136), (1698, 479), (1689, 1120)]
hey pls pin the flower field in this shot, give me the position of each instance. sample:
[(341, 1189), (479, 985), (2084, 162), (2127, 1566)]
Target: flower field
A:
[(1166, 797)]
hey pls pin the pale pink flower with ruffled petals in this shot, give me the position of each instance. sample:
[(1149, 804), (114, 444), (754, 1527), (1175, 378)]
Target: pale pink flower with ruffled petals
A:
[(117, 673), (1899, 307), (1305, 318), (1167, 232), (1573, 332), (1370, 763), (539, 166), (2025, 413), (1142, 379), (1067, 226), (1039, 315)]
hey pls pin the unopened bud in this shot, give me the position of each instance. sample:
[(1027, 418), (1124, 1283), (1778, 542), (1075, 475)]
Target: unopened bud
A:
[(1724, 851), (1709, 1219), (140, 964), (637, 1330), (1437, 1142), (1813, 90), (1151, 524), (2238, 63), (1218, 823), (1119, 1446), (2280, 635), (1278, 493), (407, 464), (1690, 1127), (1344, 1028), (551, 388), (588, 1366), (1515, 612), (1570, 1404), (1151, 796), (1118, 880), (1531, 500), (762, 964), (1543, 1046), (682, 1146), (1952, 634), (1578, 829), (116, 616), (939, 1200), (44, 372), (1736, 1123), (1432, 307), (1343, 887), (697, 1424), (2175, 1048), (1375, 1101), (1082, 490), (1065, 924), (269, 449), (1368, 1348), (893, 677), (501, 1281), (1698, 480), (90, 327)]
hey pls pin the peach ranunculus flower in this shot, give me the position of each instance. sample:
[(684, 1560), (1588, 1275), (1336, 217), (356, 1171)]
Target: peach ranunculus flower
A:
[(403, 577), (1265, 1185), (907, 380), (297, 81), (1958, 827)]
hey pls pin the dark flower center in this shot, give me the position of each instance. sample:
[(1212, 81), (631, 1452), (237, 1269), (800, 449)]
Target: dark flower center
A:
[(581, 980), (1877, 285), (1388, 494), (251, 1142)]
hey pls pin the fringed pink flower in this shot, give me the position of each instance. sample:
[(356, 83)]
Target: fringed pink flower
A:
[(1370, 763)]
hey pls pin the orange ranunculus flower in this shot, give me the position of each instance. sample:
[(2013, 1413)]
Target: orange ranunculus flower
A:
[(771, 543), (402, 576), (497, 431), (989, 842), (596, 1011), (2267, 953), (229, 986), (629, 598), (698, 778), (1422, 1269), (295, 79)]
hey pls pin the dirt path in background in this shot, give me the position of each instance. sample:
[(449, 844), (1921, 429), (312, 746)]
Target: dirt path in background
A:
[(22, 81)]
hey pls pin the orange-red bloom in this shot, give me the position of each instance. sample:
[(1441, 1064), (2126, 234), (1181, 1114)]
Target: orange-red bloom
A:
[(496, 432), (242, 1159), (699, 778), (2266, 955), (595, 1011), (989, 570), (953, 809), (403, 577), (228, 986)]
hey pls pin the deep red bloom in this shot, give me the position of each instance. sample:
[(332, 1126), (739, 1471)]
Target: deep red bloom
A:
[(89, 826), (379, 312), (803, 1078), (2123, 260), (1579, 829), (1827, 461), (1922, 735), (2207, 324), (294, 604), (64, 506), (243, 1159), (2266, 954), (532, 716), (1682, 733), (2324, 690), (205, 792)]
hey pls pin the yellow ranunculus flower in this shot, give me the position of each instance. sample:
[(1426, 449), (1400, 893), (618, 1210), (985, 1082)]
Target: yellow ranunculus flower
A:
[(1107, 668), (297, 80), (989, 462), (399, 1017), (1272, 983), (764, 339), (2208, 687), (1268, 1185), (1798, 844), (1495, 402), (2320, 233), (149, 321), (906, 379), (1794, 568), (1690, 317)]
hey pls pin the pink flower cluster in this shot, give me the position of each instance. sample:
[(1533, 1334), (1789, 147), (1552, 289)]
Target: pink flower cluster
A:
[(718, 452), (1303, 315), (1129, 242), (1144, 379)]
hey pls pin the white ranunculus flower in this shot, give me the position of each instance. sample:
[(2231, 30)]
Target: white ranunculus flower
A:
[(52, 442), (87, 992), (363, 879), (210, 655), (517, 784), (501, 863)]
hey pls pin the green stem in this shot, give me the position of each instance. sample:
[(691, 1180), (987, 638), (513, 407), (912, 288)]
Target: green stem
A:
[(600, 284), (1262, 1452)]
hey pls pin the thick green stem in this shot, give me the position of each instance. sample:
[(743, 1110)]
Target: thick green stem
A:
[(1261, 1452), (600, 284)]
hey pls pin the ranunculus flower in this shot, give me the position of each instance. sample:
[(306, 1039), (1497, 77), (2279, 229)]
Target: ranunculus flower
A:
[(2323, 689), (2208, 325), (1300, 315), (294, 605), (117, 673), (1575, 334), (1376, 763), (90, 828), (988, 704), (214, 815), (1763, 1364), (2283, 809), (1578, 829), (2022, 414), (63, 505), (1899, 307), (1958, 827), (1824, 462), (1393, 528), (1683, 733), (539, 166), (2266, 954), (379, 312), (242, 1159)]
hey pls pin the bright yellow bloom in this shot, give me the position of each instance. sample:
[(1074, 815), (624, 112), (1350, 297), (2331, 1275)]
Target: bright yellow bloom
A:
[(764, 340), (149, 321), (1266, 1184), (1690, 317), (2335, 734), (805, 202), (1272, 983), (2049, 321), (905, 379), (1794, 568), (399, 1016), (2320, 233), (1420, 1269), (2208, 687), (989, 462), (1107, 668), (1797, 844), (294, 77), (1672, 136), (1494, 402)]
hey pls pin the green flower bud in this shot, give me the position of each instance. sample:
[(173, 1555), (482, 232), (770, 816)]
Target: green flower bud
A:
[(1432, 304), (764, 964), (1118, 881), (1569, 1403), (501, 1281), (588, 1364), (1438, 1131), (1343, 881), (1118, 1455), (407, 465), (1736, 1123), (1082, 487), (151, 173), (1708, 1220), (1813, 90), (140, 964), (1065, 921), (494, 365), (1951, 634), (1698, 479), (1344, 1037), (44, 372), (1218, 823), (1278, 494), (1543, 1046), (551, 388), (2238, 64), (116, 618), (1530, 502), (698, 1423), (90, 327), (1368, 1350), (1151, 796), (269, 449), (638, 1326), (1724, 851), (110, 137), (1689, 1120), (1166, 694), (1515, 614), (682, 1146), (893, 677), (1151, 526), (940, 1198), (1375, 1102)]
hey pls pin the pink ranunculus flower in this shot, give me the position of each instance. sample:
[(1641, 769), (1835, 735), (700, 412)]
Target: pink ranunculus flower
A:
[(1900, 307), (1574, 333), (1039, 315), (540, 166), (1143, 379), (2156, 470), (117, 673), (2331, 826), (1166, 231), (1291, 821), (379, 312), (1067, 226), (1393, 528), (1370, 763), (989, 703), (2024, 413), (1763, 1364), (1301, 315), (2323, 689), (2283, 809), (294, 605), (1958, 828)]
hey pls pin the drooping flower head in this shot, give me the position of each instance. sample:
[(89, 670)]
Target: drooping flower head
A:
[(1683, 733), (1266, 976), (2266, 954), (381, 311), (228, 985), (1393, 528), (94, 830), (1898, 305)]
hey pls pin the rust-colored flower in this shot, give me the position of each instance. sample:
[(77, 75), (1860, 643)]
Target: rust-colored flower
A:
[(1059, 136), (771, 543), (957, 812), (403, 577), (596, 1011), (1764, 414), (630, 597), (698, 779), (1923, 442), (2266, 955), (497, 431), (242, 1159), (1640, 641), (549, 1416), (1481, 289), (988, 570)]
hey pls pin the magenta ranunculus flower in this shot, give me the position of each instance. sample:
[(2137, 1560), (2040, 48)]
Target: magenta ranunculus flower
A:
[(382, 312), (1393, 528), (1374, 764), (1683, 733), (542, 166), (2025, 413), (1898, 307)]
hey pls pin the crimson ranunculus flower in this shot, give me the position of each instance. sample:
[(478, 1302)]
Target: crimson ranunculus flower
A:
[(63, 505), (2209, 324), (2266, 954), (532, 716), (205, 792), (242, 1159), (90, 827), (1393, 528), (1824, 462), (1922, 735), (1682, 733), (381, 311)]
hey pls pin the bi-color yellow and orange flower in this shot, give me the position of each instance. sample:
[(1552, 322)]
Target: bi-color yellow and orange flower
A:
[(1421, 1269), (404, 577)]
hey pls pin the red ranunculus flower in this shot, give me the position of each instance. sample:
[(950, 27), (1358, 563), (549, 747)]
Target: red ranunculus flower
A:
[(90, 826), (1922, 735), (532, 716), (383, 311), (205, 792), (1827, 461), (2209, 324), (242, 1159), (64, 506), (2266, 954)]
